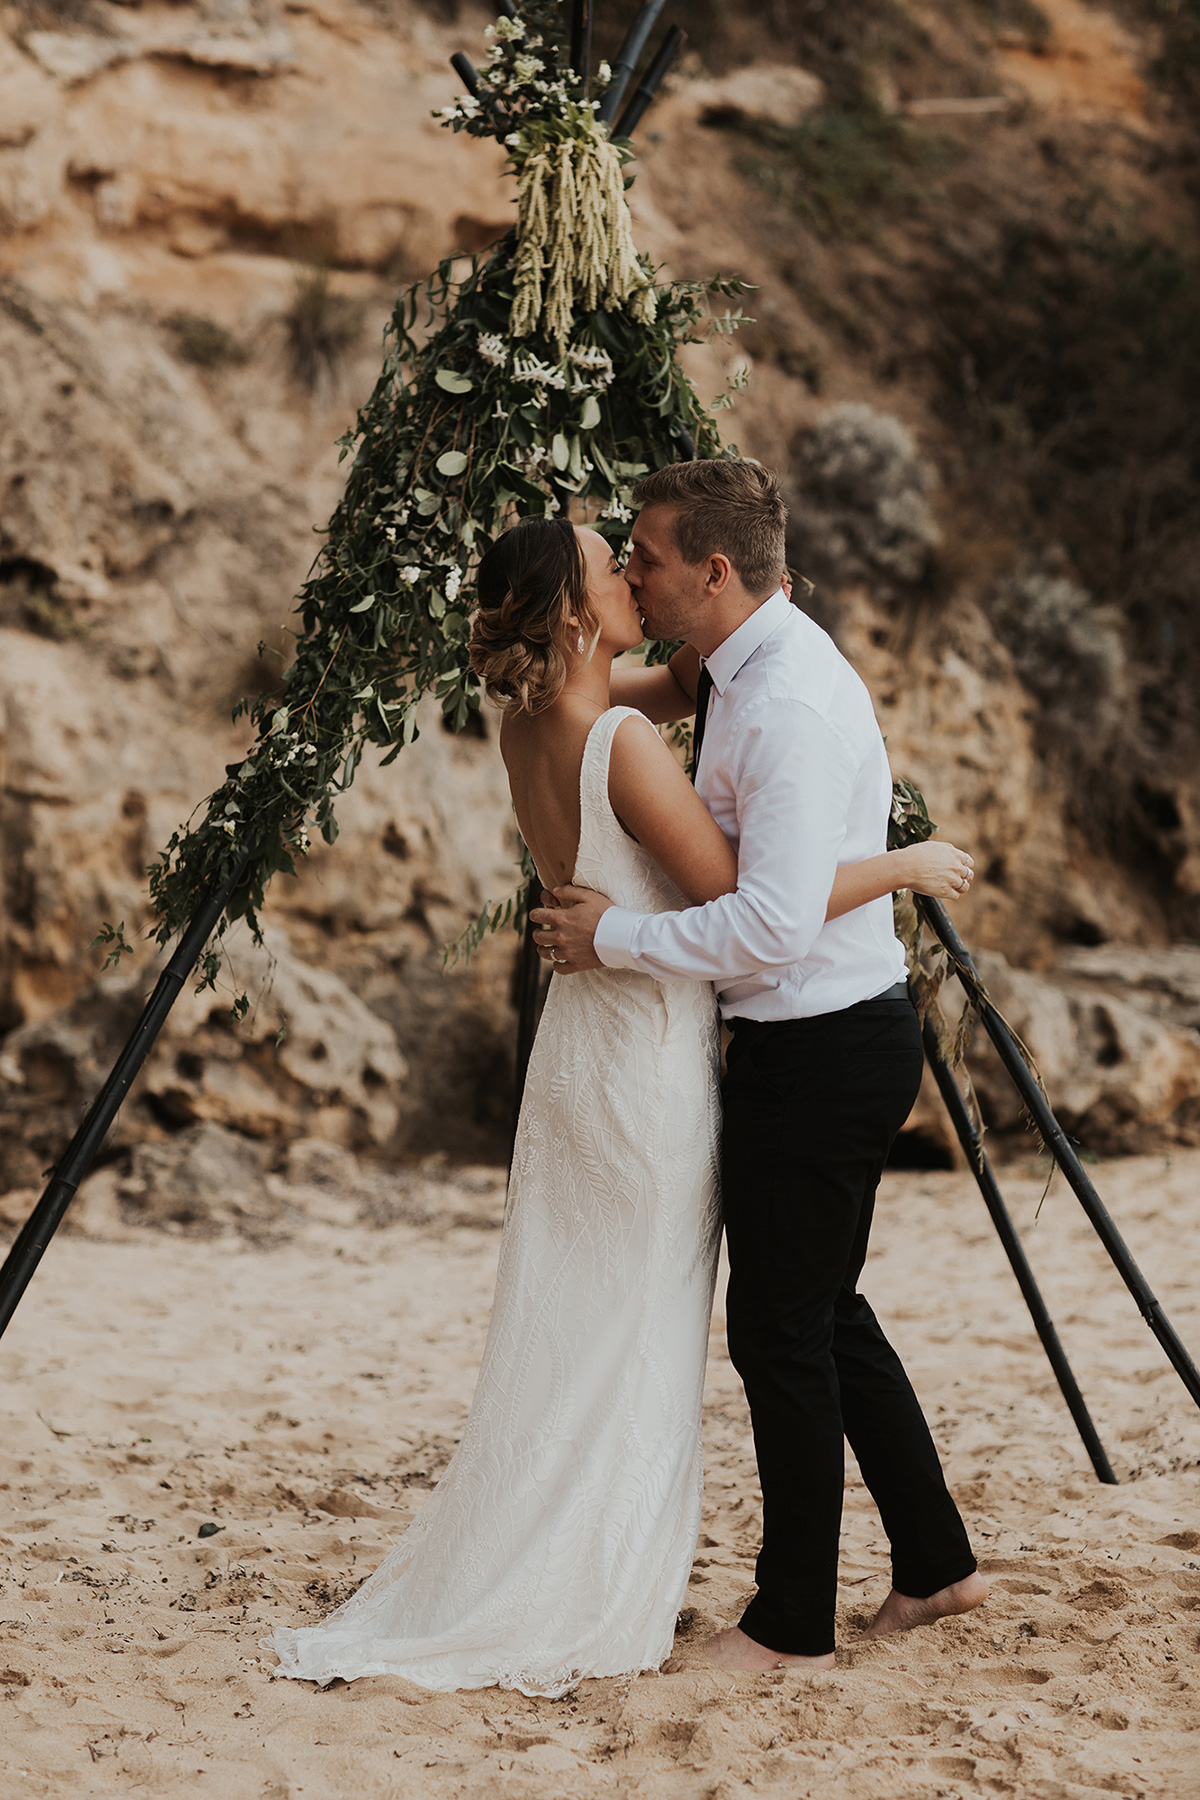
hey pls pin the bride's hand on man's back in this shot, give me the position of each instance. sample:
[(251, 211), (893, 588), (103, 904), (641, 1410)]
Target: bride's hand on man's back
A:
[(937, 870)]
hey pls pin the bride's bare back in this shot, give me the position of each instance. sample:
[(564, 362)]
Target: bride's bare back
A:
[(648, 791)]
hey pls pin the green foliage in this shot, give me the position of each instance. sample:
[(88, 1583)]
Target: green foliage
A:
[(1074, 365), (840, 164), (1177, 65), (322, 328), (465, 431), (114, 936), (205, 343), (910, 822), (30, 599)]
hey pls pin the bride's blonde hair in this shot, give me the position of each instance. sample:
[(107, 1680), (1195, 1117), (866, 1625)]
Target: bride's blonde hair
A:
[(530, 582)]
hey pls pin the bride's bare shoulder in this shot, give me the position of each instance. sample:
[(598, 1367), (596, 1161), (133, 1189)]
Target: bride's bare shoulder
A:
[(638, 751), (641, 763)]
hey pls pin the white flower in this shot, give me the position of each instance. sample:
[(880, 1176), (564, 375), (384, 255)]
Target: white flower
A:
[(410, 573), (596, 361), (604, 73), (508, 29), (491, 347), (526, 67), (390, 534), (615, 510), (513, 139), (499, 412), (530, 368), (452, 584)]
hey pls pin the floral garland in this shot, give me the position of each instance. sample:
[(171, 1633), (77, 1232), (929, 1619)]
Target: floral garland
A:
[(521, 396)]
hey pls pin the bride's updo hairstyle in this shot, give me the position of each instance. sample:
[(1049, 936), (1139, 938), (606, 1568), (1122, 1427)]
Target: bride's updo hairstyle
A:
[(530, 582)]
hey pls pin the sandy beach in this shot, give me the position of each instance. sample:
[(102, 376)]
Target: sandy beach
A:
[(301, 1389)]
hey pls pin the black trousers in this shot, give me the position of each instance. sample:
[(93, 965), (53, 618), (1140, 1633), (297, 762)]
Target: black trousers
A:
[(811, 1108)]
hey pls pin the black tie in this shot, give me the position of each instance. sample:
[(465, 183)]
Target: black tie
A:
[(704, 688)]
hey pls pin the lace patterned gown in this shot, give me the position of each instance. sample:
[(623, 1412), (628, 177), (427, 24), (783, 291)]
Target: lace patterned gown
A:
[(559, 1541)]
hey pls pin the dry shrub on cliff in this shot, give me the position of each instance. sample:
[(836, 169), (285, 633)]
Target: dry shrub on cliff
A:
[(1072, 370), (30, 601), (1177, 65), (839, 165), (59, 15), (322, 327), (861, 506), (205, 343), (1070, 653)]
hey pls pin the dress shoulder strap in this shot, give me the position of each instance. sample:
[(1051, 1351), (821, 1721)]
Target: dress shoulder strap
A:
[(597, 752)]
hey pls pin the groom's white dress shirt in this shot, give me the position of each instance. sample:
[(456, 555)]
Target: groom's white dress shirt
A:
[(795, 773)]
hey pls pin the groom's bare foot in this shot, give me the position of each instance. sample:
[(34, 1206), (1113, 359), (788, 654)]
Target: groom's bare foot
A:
[(732, 1649), (901, 1612)]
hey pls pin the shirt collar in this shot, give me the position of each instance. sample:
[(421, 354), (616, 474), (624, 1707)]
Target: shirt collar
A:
[(731, 656)]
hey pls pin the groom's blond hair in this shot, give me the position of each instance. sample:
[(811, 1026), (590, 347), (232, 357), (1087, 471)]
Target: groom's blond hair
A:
[(726, 507)]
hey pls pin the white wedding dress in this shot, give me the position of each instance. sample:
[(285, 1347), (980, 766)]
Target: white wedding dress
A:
[(559, 1541)]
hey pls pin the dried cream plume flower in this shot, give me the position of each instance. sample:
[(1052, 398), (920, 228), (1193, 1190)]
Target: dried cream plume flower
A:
[(573, 218)]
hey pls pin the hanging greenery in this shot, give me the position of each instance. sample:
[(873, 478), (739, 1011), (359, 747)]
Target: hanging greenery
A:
[(544, 376)]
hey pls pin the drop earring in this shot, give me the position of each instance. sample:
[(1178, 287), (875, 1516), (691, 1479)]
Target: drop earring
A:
[(579, 645)]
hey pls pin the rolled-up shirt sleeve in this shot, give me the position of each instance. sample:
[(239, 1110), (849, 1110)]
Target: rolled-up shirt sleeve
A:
[(793, 776)]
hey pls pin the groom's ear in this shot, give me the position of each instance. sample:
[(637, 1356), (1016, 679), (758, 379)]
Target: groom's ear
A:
[(719, 570)]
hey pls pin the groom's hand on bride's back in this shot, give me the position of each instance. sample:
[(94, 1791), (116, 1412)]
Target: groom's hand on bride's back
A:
[(565, 927)]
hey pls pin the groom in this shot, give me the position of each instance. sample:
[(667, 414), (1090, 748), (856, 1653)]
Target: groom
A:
[(825, 1059)]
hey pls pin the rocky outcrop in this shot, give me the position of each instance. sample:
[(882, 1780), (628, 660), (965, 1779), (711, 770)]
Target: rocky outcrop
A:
[(159, 496), (1115, 1035), (171, 178)]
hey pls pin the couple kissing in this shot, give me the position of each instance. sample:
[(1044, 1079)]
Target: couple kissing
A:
[(559, 1542)]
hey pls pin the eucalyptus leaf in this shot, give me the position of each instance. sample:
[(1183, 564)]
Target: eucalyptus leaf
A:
[(451, 462), (453, 383)]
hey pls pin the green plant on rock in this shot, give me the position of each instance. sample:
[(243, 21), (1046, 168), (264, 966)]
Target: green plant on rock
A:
[(322, 328), (205, 343)]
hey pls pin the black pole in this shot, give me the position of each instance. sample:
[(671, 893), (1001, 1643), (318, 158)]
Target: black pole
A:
[(468, 74), (466, 71), (529, 998), (650, 83), (628, 58), (581, 39), (981, 1168), (1059, 1146), (47, 1215)]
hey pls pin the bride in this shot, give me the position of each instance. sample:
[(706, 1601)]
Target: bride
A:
[(559, 1541)]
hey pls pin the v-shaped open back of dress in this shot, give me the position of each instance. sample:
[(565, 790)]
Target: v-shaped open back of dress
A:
[(559, 1541)]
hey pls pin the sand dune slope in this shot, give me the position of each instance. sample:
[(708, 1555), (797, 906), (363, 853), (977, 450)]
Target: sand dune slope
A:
[(303, 1397)]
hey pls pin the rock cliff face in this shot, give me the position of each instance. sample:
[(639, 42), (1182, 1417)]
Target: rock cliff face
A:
[(205, 210)]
